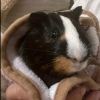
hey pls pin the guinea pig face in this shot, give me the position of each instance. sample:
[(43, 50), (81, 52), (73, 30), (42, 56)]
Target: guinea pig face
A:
[(77, 46), (62, 39)]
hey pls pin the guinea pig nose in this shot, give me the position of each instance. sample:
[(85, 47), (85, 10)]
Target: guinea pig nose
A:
[(74, 60)]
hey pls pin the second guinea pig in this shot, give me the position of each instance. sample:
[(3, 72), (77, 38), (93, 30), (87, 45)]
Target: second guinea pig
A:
[(55, 47)]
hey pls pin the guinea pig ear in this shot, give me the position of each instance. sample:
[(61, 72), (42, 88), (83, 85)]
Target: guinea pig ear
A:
[(36, 19), (77, 12)]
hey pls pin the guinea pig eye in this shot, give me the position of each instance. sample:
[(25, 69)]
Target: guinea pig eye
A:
[(54, 34)]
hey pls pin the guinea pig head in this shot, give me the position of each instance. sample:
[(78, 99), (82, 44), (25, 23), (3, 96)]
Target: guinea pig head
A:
[(56, 44)]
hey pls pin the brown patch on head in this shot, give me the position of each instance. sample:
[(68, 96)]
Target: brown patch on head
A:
[(63, 37), (63, 65)]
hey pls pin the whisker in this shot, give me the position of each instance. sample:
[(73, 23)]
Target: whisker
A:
[(61, 49), (43, 61), (41, 50), (46, 51), (50, 63)]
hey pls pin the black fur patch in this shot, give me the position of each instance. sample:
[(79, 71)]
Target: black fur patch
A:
[(40, 48)]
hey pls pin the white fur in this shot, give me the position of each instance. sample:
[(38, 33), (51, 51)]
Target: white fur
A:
[(76, 49), (79, 66), (52, 90)]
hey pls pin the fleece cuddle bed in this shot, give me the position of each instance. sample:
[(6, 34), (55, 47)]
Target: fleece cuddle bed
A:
[(16, 71)]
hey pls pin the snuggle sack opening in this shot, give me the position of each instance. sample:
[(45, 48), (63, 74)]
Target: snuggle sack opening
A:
[(14, 67)]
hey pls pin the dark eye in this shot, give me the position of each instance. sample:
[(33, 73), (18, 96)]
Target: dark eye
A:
[(54, 34)]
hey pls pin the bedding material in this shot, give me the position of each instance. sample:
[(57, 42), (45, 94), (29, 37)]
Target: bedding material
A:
[(90, 5)]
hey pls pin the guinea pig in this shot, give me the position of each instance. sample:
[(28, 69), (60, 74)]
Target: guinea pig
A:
[(55, 47)]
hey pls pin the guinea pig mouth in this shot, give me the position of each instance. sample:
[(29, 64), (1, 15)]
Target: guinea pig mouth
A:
[(79, 66)]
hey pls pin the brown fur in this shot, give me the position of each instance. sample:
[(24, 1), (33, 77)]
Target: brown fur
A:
[(63, 37), (63, 64)]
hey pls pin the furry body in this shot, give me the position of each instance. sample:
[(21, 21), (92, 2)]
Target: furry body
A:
[(56, 46)]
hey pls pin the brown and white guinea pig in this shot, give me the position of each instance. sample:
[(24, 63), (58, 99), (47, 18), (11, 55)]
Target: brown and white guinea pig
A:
[(55, 47)]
